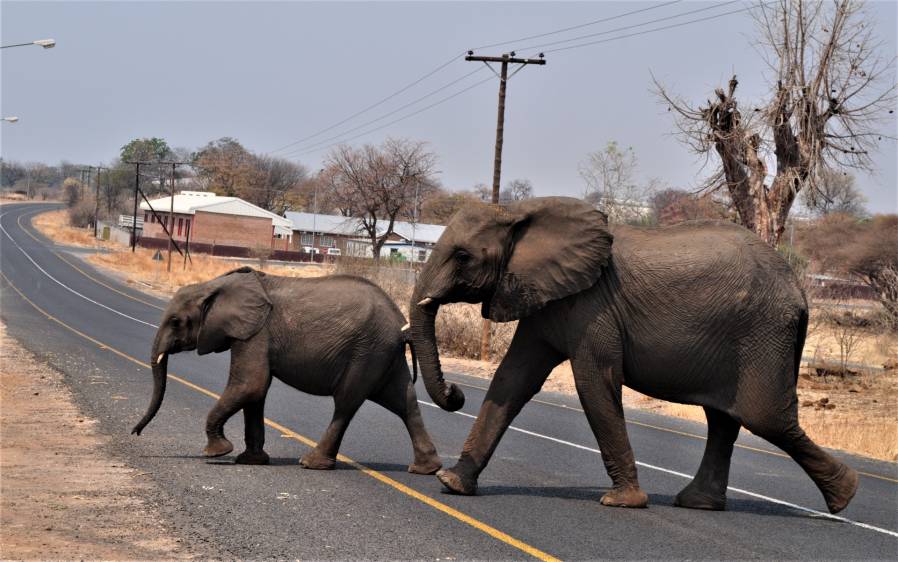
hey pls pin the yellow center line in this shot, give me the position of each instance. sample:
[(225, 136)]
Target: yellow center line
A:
[(423, 498), (683, 433)]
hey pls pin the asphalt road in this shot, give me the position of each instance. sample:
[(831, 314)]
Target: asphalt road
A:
[(538, 497)]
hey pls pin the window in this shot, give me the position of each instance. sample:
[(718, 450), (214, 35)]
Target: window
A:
[(146, 217), (422, 255), (180, 226), (307, 238), (328, 242)]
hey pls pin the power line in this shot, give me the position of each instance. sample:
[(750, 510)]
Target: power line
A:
[(372, 106), (447, 98), (647, 31), (582, 25), (385, 115), (626, 27), (570, 47), (455, 57)]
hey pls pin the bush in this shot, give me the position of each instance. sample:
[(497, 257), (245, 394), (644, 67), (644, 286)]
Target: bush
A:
[(82, 214)]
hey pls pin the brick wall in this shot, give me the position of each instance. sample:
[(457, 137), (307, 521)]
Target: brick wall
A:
[(231, 230), (152, 229)]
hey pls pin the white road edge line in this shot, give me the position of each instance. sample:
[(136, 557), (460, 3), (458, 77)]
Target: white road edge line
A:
[(808, 510), (66, 287), (814, 512)]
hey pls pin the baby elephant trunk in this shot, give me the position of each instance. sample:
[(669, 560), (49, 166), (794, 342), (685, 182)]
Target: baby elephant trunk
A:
[(160, 375)]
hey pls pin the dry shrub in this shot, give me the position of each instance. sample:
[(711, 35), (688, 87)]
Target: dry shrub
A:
[(397, 279), (81, 215), (459, 329)]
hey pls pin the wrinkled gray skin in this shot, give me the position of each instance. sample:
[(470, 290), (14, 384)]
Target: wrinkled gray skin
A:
[(334, 336), (700, 313)]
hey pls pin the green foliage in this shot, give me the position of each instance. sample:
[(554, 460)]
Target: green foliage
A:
[(146, 149)]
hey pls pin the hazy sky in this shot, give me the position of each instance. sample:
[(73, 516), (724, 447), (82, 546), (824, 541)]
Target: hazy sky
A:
[(271, 73)]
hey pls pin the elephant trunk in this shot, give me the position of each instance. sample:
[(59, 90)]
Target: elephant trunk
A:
[(160, 375), (422, 318)]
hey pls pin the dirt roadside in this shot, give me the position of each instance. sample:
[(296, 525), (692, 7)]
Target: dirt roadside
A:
[(62, 496)]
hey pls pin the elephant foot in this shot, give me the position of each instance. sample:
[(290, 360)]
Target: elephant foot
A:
[(316, 461), (631, 496), (690, 497), (425, 467), (457, 484), (217, 447), (840, 489), (250, 457)]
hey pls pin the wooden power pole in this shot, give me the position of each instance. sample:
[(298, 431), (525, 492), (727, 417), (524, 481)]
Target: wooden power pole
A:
[(505, 60)]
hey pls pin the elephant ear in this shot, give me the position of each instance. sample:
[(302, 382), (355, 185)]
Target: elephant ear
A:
[(559, 247), (235, 308)]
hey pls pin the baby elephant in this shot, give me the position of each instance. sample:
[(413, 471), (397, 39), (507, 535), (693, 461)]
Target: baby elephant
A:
[(334, 336)]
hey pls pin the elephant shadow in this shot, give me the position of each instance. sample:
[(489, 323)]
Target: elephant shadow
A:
[(592, 494)]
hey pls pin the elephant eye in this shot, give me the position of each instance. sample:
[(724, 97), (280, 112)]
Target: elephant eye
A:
[(462, 256), (174, 320)]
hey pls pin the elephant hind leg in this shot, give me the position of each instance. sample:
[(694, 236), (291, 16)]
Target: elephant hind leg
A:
[(837, 481), (399, 397), (708, 489)]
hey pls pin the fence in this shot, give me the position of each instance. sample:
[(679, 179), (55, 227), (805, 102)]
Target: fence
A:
[(231, 251)]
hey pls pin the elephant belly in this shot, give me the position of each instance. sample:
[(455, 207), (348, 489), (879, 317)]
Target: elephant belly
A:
[(681, 373), (319, 378)]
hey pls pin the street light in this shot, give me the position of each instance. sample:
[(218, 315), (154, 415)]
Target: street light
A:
[(10, 119), (45, 43)]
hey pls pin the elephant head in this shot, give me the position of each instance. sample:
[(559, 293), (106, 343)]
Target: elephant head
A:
[(206, 317), (513, 259)]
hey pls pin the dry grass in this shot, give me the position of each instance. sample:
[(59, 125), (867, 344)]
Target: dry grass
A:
[(55, 226)]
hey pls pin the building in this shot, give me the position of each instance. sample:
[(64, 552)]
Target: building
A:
[(207, 218), (413, 241)]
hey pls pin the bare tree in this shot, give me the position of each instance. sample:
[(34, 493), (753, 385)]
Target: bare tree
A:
[(830, 90), (272, 183), (835, 193), (609, 175), (376, 184), (516, 190)]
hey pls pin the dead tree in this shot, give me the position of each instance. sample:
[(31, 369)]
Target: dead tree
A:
[(831, 92)]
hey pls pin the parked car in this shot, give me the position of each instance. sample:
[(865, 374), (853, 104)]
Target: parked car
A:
[(334, 252)]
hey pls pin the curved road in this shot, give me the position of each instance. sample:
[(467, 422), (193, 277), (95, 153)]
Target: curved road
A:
[(539, 495)]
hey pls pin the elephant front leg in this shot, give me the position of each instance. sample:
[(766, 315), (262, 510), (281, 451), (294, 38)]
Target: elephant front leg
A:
[(254, 434), (248, 383), (520, 375), (599, 388)]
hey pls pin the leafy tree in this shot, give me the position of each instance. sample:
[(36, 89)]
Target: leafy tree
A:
[(671, 206), (225, 166), (10, 173), (146, 150), (441, 205)]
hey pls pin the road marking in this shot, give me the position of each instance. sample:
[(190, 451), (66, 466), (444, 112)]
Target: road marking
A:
[(677, 432), (808, 510), (379, 476), (66, 287), (814, 512), (75, 267)]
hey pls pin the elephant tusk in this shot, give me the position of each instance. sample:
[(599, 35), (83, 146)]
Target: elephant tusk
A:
[(159, 359), (405, 328), (425, 302)]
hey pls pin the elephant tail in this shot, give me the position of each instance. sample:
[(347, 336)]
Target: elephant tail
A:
[(799, 339), (411, 346)]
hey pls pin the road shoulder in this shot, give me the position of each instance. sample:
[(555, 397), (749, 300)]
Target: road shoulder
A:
[(62, 494)]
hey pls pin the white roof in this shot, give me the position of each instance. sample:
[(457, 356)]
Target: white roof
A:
[(351, 226), (188, 202)]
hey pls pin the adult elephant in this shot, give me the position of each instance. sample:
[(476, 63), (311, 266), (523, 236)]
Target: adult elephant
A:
[(699, 313), (337, 336)]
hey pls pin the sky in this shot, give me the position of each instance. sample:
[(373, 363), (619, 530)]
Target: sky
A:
[(269, 74)]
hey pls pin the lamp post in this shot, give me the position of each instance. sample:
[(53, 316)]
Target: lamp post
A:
[(45, 43), (12, 119)]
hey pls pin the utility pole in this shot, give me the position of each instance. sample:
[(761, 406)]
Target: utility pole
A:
[(136, 195), (503, 76), (171, 209), (97, 202)]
